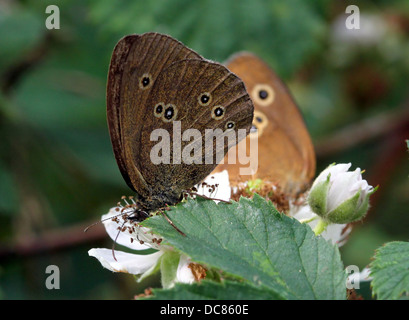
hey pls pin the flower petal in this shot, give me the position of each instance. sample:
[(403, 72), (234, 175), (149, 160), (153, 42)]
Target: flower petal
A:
[(339, 168), (184, 273), (222, 191), (332, 170), (122, 238), (340, 190), (125, 262)]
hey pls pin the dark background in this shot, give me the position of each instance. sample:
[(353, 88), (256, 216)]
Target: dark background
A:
[(57, 170)]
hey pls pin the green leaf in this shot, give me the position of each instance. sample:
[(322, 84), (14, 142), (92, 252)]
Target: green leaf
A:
[(252, 240), (390, 270), (206, 290), (246, 25), (21, 30)]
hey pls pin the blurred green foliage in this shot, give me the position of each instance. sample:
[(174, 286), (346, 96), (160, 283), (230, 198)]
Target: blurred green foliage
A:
[(57, 168)]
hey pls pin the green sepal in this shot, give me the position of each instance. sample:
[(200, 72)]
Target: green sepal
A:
[(168, 267), (317, 198), (347, 211)]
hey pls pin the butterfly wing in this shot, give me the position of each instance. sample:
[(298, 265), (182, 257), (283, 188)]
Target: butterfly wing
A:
[(285, 151), (136, 62), (197, 98)]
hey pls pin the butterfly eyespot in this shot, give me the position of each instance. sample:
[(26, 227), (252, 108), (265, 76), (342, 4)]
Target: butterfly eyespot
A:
[(145, 81), (218, 112), (158, 110), (170, 113), (263, 94), (260, 121), (205, 99), (230, 125)]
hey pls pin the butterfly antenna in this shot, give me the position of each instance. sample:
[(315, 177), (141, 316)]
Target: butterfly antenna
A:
[(98, 222), (120, 207), (94, 224)]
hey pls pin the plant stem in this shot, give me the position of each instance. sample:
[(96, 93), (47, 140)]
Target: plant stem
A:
[(309, 220), (321, 227)]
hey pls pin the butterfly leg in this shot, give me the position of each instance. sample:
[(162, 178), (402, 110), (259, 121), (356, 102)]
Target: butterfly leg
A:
[(170, 221)]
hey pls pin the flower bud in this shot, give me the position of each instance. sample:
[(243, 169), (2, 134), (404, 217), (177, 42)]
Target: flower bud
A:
[(340, 196)]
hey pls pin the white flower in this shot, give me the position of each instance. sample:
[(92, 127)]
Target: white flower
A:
[(336, 233), (175, 267), (340, 196), (136, 237), (216, 186)]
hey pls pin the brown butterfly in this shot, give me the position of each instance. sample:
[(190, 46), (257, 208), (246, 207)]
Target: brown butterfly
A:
[(156, 82), (285, 152)]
